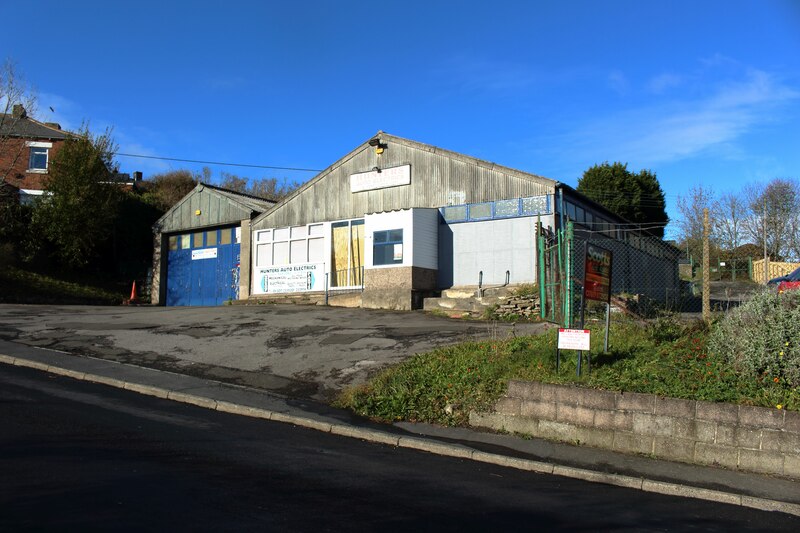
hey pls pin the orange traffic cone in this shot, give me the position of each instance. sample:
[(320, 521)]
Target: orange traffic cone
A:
[(133, 293)]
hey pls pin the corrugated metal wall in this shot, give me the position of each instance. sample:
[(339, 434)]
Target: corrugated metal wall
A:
[(437, 176), (215, 210)]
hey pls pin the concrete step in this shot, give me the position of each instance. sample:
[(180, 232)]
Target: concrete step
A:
[(468, 305)]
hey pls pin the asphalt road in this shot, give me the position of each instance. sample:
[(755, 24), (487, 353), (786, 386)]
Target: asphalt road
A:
[(80, 456), (295, 350)]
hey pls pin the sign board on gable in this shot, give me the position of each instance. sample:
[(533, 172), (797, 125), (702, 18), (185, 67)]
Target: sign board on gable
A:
[(574, 339), (380, 179), (597, 274)]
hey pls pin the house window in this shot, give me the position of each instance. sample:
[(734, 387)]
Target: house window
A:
[(387, 247), (38, 159)]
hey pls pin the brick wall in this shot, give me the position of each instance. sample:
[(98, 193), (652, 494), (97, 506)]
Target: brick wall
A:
[(741, 437), (14, 159)]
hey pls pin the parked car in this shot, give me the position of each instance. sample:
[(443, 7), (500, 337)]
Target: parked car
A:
[(788, 282)]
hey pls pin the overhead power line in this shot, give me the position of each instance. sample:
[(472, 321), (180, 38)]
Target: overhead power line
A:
[(217, 163)]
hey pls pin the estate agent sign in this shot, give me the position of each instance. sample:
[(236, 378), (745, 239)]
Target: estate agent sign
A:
[(597, 274)]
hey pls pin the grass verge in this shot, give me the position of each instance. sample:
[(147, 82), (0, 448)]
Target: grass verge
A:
[(661, 357), (20, 286)]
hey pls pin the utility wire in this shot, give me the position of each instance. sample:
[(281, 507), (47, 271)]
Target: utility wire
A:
[(217, 163)]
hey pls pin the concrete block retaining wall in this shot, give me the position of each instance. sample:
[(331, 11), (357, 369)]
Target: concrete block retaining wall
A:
[(755, 439)]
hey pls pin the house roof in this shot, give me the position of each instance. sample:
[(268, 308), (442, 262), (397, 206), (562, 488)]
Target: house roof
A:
[(29, 128)]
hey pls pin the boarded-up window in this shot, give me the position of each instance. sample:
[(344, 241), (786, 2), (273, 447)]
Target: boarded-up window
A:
[(211, 238), (173, 243), (197, 240), (225, 236)]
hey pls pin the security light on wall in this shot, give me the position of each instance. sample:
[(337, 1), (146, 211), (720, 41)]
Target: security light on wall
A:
[(197, 212), (379, 146)]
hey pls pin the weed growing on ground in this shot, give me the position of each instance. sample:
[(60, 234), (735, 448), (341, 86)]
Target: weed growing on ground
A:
[(664, 357)]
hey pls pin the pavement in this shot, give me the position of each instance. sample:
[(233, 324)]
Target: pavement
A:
[(664, 477)]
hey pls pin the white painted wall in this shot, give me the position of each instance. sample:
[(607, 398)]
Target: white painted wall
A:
[(402, 219), (492, 246), (420, 236)]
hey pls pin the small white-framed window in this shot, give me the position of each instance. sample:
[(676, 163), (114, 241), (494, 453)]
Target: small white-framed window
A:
[(387, 247), (39, 156)]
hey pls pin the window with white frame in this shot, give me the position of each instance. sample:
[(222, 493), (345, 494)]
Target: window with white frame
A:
[(387, 247), (39, 156), (290, 246)]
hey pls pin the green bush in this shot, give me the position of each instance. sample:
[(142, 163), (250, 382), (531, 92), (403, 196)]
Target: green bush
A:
[(762, 338)]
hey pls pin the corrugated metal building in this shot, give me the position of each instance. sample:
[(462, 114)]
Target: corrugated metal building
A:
[(391, 222), (196, 258), (402, 219)]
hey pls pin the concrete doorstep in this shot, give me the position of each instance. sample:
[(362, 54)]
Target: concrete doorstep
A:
[(261, 404)]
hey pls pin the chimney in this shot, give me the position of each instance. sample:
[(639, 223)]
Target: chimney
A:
[(19, 111), (137, 176), (54, 125)]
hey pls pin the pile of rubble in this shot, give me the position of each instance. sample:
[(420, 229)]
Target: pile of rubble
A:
[(520, 306)]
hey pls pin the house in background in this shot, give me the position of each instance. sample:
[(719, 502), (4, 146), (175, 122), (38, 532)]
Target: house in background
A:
[(27, 147)]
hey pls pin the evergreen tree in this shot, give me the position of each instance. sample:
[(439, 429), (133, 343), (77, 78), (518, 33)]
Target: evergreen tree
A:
[(635, 196)]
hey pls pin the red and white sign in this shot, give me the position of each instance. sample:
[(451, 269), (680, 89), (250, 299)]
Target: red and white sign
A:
[(574, 339)]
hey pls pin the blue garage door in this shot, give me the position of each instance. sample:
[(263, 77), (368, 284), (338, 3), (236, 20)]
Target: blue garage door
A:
[(203, 267)]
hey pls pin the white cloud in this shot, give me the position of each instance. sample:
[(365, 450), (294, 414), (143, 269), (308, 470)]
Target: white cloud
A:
[(672, 130), (618, 82), (479, 75), (661, 83)]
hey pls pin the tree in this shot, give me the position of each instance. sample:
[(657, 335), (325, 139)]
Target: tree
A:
[(635, 196), (165, 190), (76, 216), (775, 214), (14, 91), (730, 213), (268, 188), (690, 223)]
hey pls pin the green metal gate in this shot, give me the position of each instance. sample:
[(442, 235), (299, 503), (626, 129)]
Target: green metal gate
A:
[(555, 282)]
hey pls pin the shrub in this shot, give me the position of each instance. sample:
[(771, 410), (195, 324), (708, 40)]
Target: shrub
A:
[(762, 338)]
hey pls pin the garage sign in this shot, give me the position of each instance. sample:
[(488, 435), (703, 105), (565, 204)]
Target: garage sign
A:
[(205, 253), (291, 278)]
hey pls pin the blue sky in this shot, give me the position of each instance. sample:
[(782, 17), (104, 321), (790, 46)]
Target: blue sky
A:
[(699, 92)]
